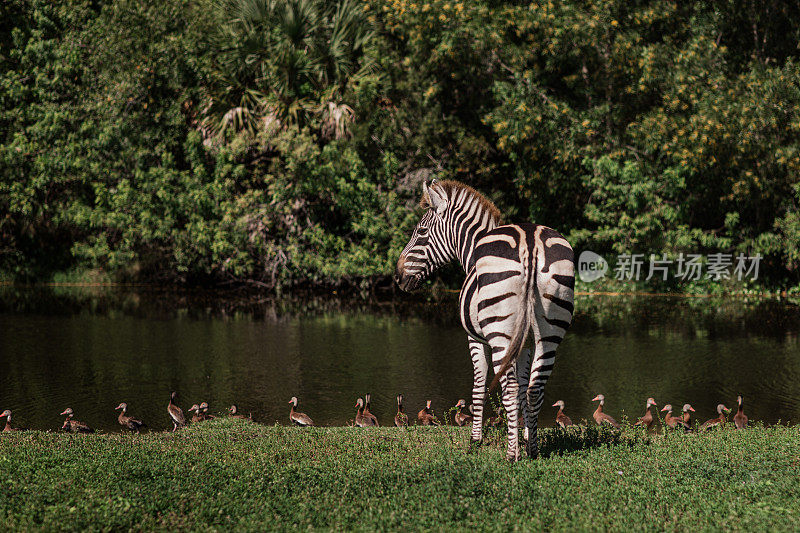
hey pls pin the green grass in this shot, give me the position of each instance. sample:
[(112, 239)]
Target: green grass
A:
[(231, 474)]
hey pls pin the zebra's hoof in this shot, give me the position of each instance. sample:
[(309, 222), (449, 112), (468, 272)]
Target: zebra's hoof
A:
[(513, 457), (532, 452)]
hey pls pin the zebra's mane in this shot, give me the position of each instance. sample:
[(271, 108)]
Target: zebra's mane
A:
[(452, 188)]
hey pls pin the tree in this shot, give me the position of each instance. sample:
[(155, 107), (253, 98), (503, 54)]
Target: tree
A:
[(287, 63)]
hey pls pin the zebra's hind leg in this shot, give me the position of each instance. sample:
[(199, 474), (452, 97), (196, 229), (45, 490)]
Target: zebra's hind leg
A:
[(546, 341), (523, 372), (480, 370), (534, 400), (510, 386), (550, 324)]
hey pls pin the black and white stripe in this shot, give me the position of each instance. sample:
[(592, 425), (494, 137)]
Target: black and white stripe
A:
[(520, 278)]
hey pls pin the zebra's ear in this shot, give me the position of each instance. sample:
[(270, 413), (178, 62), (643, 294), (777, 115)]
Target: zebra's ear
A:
[(434, 196)]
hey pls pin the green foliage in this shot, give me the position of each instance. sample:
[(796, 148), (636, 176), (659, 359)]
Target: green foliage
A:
[(229, 474), (284, 141), (287, 63)]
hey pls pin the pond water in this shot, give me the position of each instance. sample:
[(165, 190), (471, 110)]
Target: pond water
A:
[(63, 348)]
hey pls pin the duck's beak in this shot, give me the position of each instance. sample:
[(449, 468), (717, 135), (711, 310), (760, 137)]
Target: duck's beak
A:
[(596, 398), (65, 412), (691, 409), (555, 404), (664, 408)]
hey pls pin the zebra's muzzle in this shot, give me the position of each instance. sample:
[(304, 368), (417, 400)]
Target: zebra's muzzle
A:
[(407, 282)]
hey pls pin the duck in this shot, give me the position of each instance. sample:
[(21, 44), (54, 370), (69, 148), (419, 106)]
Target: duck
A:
[(461, 418), (204, 412), (687, 417), (400, 419), (175, 413), (740, 419), (7, 415), (134, 424), (721, 419), (425, 416), (673, 422), (197, 416), (362, 420), (373, 419), (647, 419), (73, 426), (562, 419), (234, 413), (599, 416), (298, 418)]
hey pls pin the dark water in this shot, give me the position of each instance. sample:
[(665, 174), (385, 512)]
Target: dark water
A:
[(90, 351)]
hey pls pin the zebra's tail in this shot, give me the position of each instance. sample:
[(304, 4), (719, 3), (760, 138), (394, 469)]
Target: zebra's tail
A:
[(522, 324)]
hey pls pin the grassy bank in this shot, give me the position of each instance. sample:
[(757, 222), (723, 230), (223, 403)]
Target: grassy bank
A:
[(234, 474)]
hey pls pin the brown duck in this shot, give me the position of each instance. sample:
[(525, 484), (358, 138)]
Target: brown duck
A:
[(647, 419), (298, 418), (7, 415), (562, 419), (175, 413), (461, 418), (362, 420), (599, 416), (204, 411), (367, 413), (673, 422), (720, 420), (134, 424), (425, 416), (73, 426), (400, 419), (234, 413), (197, 416), (740, 419), (687, 415)]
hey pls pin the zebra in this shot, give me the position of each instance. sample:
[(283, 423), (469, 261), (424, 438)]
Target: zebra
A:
[(520, 277)]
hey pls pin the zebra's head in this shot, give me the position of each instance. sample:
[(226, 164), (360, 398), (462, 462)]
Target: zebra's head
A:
[(428, 248)]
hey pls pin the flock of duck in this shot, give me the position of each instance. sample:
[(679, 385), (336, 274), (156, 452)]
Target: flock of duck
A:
[(463, 415), (425, 417), (683, 421), (365, 418), (71, 425)]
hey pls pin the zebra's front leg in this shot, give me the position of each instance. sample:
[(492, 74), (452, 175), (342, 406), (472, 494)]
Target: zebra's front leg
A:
[(480, 370)]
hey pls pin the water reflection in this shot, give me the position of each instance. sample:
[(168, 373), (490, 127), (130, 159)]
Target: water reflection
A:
[(90, 350)]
